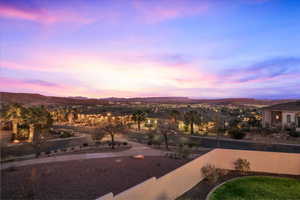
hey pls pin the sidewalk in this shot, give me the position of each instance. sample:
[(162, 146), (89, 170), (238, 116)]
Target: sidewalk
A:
[(136, 149)]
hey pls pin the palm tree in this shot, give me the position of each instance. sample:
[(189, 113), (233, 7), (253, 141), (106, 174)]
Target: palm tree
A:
[(190, 118), (37, 118), (15, 114), (174, 114), (139, 116), (219, 127)]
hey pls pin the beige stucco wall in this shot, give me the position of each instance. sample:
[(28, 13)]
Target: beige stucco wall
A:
[(266, 118), (260, 161), (177, 182)]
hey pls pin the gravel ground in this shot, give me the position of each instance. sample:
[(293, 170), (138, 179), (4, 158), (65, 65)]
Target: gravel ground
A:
[(82, 179)]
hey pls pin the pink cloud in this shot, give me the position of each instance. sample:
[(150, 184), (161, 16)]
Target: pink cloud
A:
[(128, 73), (157, 11), (42, 16), (47, 88)]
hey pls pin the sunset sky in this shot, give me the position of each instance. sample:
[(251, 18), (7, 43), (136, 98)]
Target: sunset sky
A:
[(138, 48)]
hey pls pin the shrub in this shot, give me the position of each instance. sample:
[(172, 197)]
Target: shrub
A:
[(210, 173), (157, 140), (125, 143), (242, 165), (174, 155), (192, 144), (111, 143), (65, 134), (294, 133), (85, 144), (266, 131), (223, 172), (184, 151), (236, 134), (11, 169)]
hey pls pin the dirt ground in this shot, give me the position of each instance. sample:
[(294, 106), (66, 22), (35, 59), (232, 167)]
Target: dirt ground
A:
[(82, 179)]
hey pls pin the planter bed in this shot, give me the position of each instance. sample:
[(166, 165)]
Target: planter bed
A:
[(202, 189), (257, 187)]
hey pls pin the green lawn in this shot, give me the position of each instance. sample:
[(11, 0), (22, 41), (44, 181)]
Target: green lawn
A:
[(258, 187)]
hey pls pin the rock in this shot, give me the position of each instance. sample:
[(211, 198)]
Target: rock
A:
[(138, 156)]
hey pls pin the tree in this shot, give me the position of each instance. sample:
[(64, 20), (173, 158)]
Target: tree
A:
[(37, 118), (166, 127), (97, 133), (15, 114), (37, 140), (220, 126), (190, 118), (174, 114), (112, 128), (139, 116)]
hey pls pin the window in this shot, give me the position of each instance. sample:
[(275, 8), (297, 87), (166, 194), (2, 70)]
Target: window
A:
[(288, 118)]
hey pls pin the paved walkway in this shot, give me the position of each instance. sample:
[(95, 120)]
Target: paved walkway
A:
[(136, 149)]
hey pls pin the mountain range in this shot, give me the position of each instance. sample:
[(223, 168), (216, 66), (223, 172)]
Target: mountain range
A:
[(38, 99)]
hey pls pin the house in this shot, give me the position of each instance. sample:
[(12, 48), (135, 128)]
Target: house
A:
[(282, 115)]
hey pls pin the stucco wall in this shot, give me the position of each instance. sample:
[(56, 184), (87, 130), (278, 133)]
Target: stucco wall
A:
[(260, 161), (177, 182), (266, 118), (284, 117)]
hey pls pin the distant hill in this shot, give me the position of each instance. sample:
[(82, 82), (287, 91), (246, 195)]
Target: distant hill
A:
[(37, 99)]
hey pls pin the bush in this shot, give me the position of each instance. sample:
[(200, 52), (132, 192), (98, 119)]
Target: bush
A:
[(85, 144), (65, 134), (11, 169), (53, 131), (210, 173), (192, 144), (184, 151), (157, 140), (236, 134), (125, 143), (294, 133), (242, 165), (223, 172)]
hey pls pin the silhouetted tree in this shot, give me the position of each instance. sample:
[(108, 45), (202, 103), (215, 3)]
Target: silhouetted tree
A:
[(190, 118), (14, 114), (174, 114), (166, 127), (139, 116)]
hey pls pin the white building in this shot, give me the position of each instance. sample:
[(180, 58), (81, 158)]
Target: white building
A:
[(282, 115)]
